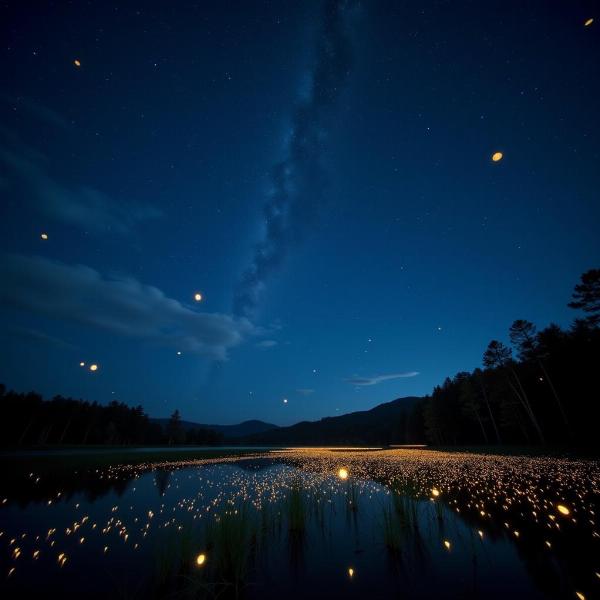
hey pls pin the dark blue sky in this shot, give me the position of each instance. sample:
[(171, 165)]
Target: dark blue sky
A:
[(320, 171)]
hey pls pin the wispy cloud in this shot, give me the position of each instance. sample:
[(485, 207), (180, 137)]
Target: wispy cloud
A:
[(379, 378), (35, 109), (305, 391), (266, 344), (119, 305), (298, 182), (79, 205), (33, 335)]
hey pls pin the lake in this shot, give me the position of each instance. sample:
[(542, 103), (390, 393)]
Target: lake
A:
[(304, 523)]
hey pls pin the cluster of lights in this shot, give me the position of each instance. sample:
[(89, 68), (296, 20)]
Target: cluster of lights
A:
[(529, 498)]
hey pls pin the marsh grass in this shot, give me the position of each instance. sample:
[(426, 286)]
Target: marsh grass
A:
[(296, 509), (400, 519), (352, 496)]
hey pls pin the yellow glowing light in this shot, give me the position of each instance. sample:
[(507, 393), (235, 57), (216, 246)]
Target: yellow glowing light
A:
[(497, 156), (562, 509), (350, 572), (588, 22), (82, 364), (580, 595), (343, 473), (44, 236), (447, 544), (77, 62), (93, 367), (435, 492), (198, 297), (200, 559)]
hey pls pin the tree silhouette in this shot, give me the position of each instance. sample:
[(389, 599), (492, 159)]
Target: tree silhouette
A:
[(174, 429), (478, 375), (586, 296), (471, 403), (497, 355), (523, 336)]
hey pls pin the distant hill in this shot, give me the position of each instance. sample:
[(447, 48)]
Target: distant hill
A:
[(246, 428), (395, 422)]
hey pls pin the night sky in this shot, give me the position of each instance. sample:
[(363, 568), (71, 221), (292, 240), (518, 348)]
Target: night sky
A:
[(321, 172)]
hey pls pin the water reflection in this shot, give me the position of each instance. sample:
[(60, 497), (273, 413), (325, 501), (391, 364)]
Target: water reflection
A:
[(417, 524)]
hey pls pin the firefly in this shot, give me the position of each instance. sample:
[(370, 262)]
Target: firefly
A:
[(44, 236), (435, 492), (562, 509), (77, 62), (497, 156), (580, 595), (588, 22), (285, 400), (343, 473), (93, 367), (198, 297), (200, 559), (447, 544), (350, 572)]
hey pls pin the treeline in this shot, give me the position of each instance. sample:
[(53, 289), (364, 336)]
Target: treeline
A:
[(541, 387), (29, 420)]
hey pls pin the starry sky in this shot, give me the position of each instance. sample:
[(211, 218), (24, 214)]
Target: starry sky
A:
[(320, 172)]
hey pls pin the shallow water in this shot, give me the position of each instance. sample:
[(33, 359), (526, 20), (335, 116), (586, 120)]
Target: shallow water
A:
[(404, 523)]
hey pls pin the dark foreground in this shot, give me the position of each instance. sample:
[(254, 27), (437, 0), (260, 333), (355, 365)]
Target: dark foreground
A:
[(303, 524)]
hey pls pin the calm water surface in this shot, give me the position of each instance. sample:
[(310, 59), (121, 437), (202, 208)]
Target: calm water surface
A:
[(305, 524)]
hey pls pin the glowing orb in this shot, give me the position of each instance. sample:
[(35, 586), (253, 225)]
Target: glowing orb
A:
[(447, 544), (350, 572), (44, 236), (562, 509), (285, 400), (435, 492), (93, 367), (82, 364), (497, 156), (198, 297), (178, 352), (200, 559), (77, 62), (343, 473), (588, 22)]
